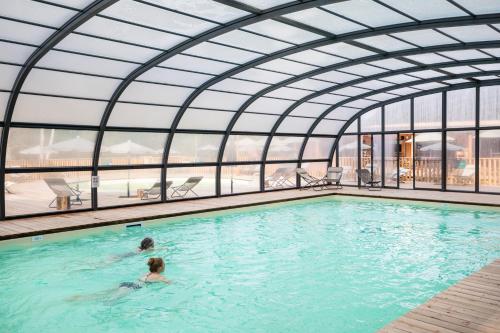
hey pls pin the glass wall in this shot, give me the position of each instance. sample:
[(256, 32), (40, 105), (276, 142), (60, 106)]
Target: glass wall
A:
[(348, 158), (280, 175), (192, 182), (489, 161), (391, 153), (398, 116), (461, 160), (240, 178), (461, 108), (428, 111)]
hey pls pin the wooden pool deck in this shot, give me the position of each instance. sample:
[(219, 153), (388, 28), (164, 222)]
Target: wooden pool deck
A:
[(23, 227), (470, 306)]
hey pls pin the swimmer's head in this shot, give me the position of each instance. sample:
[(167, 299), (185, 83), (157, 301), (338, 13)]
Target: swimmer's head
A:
[(147, 243), (156, 265)]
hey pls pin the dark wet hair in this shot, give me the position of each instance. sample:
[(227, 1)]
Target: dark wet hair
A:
[(147, 243), (155, 264)]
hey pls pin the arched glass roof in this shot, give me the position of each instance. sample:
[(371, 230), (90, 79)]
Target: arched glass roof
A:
[(219, 84)]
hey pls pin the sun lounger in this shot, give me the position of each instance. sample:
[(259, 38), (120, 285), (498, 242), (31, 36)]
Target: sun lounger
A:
[(333, 176), (280, 178), (62, 190), (367, 180), (155, 191), (316, 184), (182, 190)]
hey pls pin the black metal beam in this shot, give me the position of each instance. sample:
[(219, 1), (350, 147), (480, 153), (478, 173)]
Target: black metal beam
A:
[(73, 23), (412, 97)]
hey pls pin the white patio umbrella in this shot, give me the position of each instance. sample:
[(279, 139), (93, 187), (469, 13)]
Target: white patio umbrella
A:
[(38, 150), (208, 147), (129, 148), (76, 144), (429, 137), (354, 145), (437, 147)]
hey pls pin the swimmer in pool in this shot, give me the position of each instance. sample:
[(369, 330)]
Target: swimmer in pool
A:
[(147, 244), (156, 268)]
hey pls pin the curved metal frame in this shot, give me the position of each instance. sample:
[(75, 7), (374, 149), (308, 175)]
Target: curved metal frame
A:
[(72, 24), (203, 37)]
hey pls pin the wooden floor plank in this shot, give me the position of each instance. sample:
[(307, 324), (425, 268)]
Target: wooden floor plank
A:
[(470, 306)]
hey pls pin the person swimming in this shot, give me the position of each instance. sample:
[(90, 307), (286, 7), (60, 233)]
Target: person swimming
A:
[(156, 268), (147, 244)]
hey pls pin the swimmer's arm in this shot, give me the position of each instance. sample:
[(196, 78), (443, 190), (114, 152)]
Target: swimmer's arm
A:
[(165, 280)]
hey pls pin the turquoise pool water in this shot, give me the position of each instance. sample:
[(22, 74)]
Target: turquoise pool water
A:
[(322, 265)]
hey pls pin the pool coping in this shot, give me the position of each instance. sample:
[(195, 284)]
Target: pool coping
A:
[(29, 227)]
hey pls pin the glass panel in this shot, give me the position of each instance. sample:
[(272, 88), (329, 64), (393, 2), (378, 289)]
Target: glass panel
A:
[(323, 20), (240, 178), (243, 148), (391, 151), (260, 75), (31, 193), (255, 122), (386, 43), (22, 32), (116, 30), (44, 147), (464, 54), (431, 10), (154, 17), (353, 128), (193, 148), (329, 127), (131, 186), (315, 58), (284, 148), (311, 84), (489, 110), (282, 31), (295, 125), (428, 111), (219, 100), (129, 148), (460, 160), (348, 158), (221, 52), (15, 53), (489, 161), (317, 148), (480, 7), (280, 175), (175, 77), (461, 108), (366, 151), (329, 99), (54, 110), (239, 86), (336, 77), (138, 115), (251, 41), (269, 105), (428, 58), (425, 38), (289, 93), (315, 169), (428, 86), (203, 8), (476, 33), (66, 84), (181, 61), (8, 75), (368, 12), (372, 121), (398, 116), (35, 12), (342, 113), (391, 64), (309, 109), (264, 4), (346, 50), (4, 98), (377, 160), (140, 92), (204, 182), (428, 149), (200, 119), (363, 70), (287, 66), (106, 48)]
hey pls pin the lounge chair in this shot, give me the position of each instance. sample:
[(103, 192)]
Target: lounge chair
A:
[(466, 177), (280, 178), (182, 190), (367, 180), (61, 189), (316, 184), (333, 176), (155, 191)]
